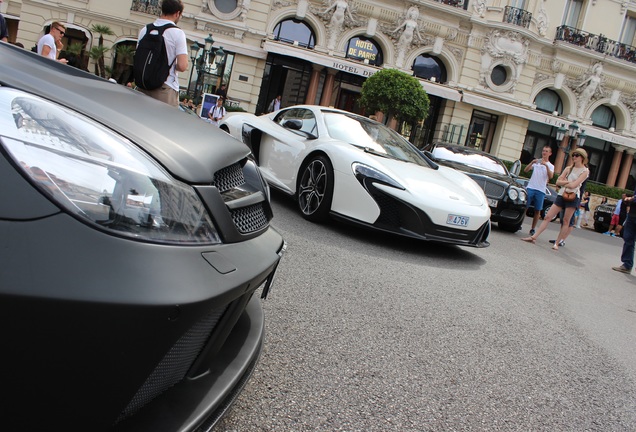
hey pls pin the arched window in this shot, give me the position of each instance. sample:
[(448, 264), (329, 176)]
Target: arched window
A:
[(604, 117), (549, 101), (429, 67), (295, 32), (365, 50)]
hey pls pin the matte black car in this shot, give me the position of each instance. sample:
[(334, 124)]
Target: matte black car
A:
[(603, 216), (135, 244), (506, 198), (548, 201)]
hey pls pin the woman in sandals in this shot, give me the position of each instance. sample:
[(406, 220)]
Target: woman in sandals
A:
[(569, 181)]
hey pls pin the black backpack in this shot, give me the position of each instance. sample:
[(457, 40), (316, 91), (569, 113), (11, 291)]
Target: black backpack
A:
[(151, 67)]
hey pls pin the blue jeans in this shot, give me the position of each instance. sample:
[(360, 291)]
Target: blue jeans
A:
[(629, 236)]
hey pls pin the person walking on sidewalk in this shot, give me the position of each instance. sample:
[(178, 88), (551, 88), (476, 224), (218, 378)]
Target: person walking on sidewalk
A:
[(542, 172), (570, 180), (629, 238)]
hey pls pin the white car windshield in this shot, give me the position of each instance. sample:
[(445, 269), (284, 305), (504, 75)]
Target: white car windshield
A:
[(464, 156), (371, 136)]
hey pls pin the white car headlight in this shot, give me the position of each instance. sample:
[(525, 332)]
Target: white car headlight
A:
[(513, 194), (523, 195), (364, 172), (99, 176)]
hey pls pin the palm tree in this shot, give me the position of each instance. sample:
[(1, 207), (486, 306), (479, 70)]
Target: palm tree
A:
[(102, 30), (96, 53), (124, 55), (73, 54)]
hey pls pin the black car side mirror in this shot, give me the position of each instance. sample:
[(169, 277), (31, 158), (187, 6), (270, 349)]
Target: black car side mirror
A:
[(516, 168)]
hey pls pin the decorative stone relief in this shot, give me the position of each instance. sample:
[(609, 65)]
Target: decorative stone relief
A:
[(508, 49), (279, 4), (630, 102), (540, 77), (242, 7)]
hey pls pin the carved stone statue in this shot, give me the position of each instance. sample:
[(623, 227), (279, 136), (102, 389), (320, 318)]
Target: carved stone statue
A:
[(480, 8), (591, 84), (409, 31), (336, 23), (543, 21)]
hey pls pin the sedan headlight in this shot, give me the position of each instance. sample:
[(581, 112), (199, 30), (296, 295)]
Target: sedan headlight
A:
[(517, 194), (98, 176)]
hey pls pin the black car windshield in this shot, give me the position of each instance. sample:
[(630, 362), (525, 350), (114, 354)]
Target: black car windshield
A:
[(371, 136), (464, 156)]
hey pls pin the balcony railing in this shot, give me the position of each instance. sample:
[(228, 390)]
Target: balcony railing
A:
[(516, 16), (598, 43), (463, 4), (151, 7)]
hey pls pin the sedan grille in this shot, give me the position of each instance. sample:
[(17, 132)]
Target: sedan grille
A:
[(228, 178), (491, 188), (249, 219)]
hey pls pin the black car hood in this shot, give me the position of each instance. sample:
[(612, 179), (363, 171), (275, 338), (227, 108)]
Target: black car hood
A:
[(474, 170), (189, 148)]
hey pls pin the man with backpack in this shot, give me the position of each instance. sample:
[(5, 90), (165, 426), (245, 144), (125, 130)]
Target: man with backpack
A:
[(161, 53)]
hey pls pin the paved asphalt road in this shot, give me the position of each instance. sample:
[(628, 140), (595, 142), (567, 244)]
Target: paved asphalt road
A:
[(370, 332)]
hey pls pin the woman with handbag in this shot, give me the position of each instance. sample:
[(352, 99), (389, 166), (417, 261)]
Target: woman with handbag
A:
[(569, 195)]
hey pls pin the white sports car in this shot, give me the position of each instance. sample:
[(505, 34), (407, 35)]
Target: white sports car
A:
[(350, 167)]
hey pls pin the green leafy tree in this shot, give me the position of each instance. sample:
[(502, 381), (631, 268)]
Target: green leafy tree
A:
[(396, 94), (102, 30)]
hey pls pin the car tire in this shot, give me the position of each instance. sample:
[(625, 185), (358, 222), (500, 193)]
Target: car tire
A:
[(315, 189), (547, 210)]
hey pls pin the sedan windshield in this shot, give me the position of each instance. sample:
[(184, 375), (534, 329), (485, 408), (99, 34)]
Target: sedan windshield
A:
[(464, 156), (371, 136)]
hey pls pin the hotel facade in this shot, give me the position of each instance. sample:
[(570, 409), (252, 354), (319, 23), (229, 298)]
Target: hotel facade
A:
[(502, 75)]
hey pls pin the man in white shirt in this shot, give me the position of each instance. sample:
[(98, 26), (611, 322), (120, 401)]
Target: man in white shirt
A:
[(542, 172), (50, 44), (217, 112), (176, 48)]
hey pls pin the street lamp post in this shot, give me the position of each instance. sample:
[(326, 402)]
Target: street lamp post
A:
[(569, 138), (200, 56)]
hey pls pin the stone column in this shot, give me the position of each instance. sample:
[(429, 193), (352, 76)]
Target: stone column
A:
[(327, 90), (613, 172), (310, 99), (626, 167)]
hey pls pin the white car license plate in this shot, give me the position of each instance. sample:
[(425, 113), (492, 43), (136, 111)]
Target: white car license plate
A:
[(457, 220), (492, 202)]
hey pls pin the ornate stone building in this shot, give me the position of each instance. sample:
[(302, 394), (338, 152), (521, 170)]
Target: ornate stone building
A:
[(502, 75)]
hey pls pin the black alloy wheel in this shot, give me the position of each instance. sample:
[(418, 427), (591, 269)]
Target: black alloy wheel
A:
[(315, 189)]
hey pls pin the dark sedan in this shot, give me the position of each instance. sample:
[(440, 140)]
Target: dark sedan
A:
[(506, 198), (136, 242)]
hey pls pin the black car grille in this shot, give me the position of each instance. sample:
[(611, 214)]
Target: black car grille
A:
[(491, 188), (228, 178), (249, 219), (175, 364)]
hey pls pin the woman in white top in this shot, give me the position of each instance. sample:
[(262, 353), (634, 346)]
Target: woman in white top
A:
[(570, 181)]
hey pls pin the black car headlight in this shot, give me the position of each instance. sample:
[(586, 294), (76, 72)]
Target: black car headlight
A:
[(99, 176), (517, 194), (364, 172)]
